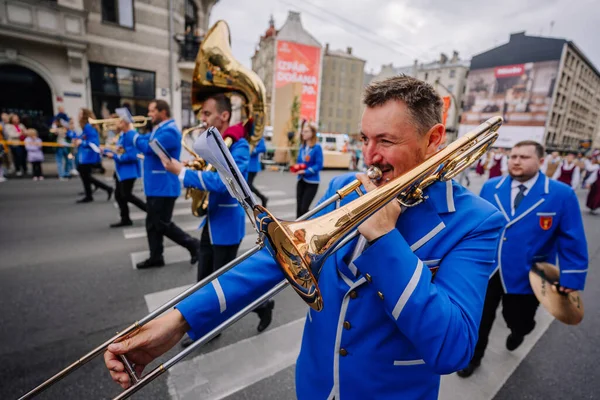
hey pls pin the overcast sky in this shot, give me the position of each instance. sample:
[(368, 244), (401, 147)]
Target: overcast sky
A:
[(400, 31)]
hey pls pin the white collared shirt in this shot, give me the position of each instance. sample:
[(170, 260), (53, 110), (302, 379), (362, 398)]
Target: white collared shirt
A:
[(515, 189)]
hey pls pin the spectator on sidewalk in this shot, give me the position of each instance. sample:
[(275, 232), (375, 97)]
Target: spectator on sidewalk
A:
[(63, 163), (35, 156), (15, 130), (60, 116)]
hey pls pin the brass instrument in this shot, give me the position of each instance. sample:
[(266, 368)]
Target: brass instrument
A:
[(199, 197), (301, 247), (217, 71), (111, 124), (565, 307)]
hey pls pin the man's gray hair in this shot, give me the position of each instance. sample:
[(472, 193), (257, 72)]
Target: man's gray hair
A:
[(423, 102)]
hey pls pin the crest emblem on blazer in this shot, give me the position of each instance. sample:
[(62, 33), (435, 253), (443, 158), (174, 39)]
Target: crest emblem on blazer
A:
[(545, 222)]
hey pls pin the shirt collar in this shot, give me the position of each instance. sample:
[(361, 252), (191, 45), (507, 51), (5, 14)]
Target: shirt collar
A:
[(528, 184), (163, 123)]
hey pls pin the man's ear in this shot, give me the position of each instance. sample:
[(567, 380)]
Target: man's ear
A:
[(225, 116), (436, 138)]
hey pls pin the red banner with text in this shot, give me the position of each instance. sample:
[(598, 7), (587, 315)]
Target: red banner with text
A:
[(300, 63)]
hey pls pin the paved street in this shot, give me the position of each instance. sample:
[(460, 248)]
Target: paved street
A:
[(68, 282)]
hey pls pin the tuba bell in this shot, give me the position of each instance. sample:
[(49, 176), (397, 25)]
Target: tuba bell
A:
[(217, 71)]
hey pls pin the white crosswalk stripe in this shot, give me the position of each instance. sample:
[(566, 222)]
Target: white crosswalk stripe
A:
[(176, 254), (185, 208), (140, 215)]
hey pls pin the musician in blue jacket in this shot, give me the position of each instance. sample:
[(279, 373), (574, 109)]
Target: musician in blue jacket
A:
[(127, 170), (310, 158), (225, 223), (88, 155), (255, 167), (402, 303), (162, 189), (542, 224)]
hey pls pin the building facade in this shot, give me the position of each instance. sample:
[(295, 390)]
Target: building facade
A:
[(98, 54), (447, 75), (341, 91), (545, 89), (263, 62)]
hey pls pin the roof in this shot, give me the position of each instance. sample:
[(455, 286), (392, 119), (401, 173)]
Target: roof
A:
[(293, 31), (437, 65), (522, 49), (343, 54)]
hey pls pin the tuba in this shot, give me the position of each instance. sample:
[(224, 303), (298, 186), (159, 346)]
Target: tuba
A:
[(217, 71)]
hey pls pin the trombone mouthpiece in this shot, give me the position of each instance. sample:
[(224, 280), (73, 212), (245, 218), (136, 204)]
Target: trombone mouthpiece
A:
[(374, 173)]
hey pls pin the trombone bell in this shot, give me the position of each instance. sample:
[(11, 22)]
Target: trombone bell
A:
[(296, 252)]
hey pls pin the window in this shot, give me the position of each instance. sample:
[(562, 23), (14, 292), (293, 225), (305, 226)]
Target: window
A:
[(426, 76), (452, 73), (451, 88), (114, 87), (118, 12)]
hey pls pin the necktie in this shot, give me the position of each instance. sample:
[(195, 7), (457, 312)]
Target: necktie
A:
[(520, 196)]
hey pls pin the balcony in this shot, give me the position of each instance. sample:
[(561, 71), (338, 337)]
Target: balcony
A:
[(188, 50), (45, 22)]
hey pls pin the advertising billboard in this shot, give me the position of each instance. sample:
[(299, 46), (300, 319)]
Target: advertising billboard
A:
[(296, 62), (520, 93)]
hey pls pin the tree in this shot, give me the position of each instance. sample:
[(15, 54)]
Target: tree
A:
[(293, 137)]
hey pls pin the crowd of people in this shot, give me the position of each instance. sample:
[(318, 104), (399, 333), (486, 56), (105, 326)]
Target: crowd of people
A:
[(26, 147), (571, 168)]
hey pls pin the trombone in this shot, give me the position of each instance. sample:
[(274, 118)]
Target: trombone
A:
[(301, 247)]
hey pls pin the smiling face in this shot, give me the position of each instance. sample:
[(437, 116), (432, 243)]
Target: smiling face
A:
[(392, 141)]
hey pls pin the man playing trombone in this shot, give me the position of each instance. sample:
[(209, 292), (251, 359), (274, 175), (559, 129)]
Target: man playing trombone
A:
[(388, 329)]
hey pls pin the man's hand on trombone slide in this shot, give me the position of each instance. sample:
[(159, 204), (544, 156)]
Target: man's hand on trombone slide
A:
[(151, 341)]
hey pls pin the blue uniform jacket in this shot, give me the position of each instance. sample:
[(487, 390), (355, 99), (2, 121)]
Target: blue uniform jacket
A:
[(89, 149), (398, 330), (226, 218), (313, 158), (546, 225), (255, 156), (127, 164), (157, 181)]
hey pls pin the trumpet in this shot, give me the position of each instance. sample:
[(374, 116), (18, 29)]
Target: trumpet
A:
[(302, 246), (111, 124)]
